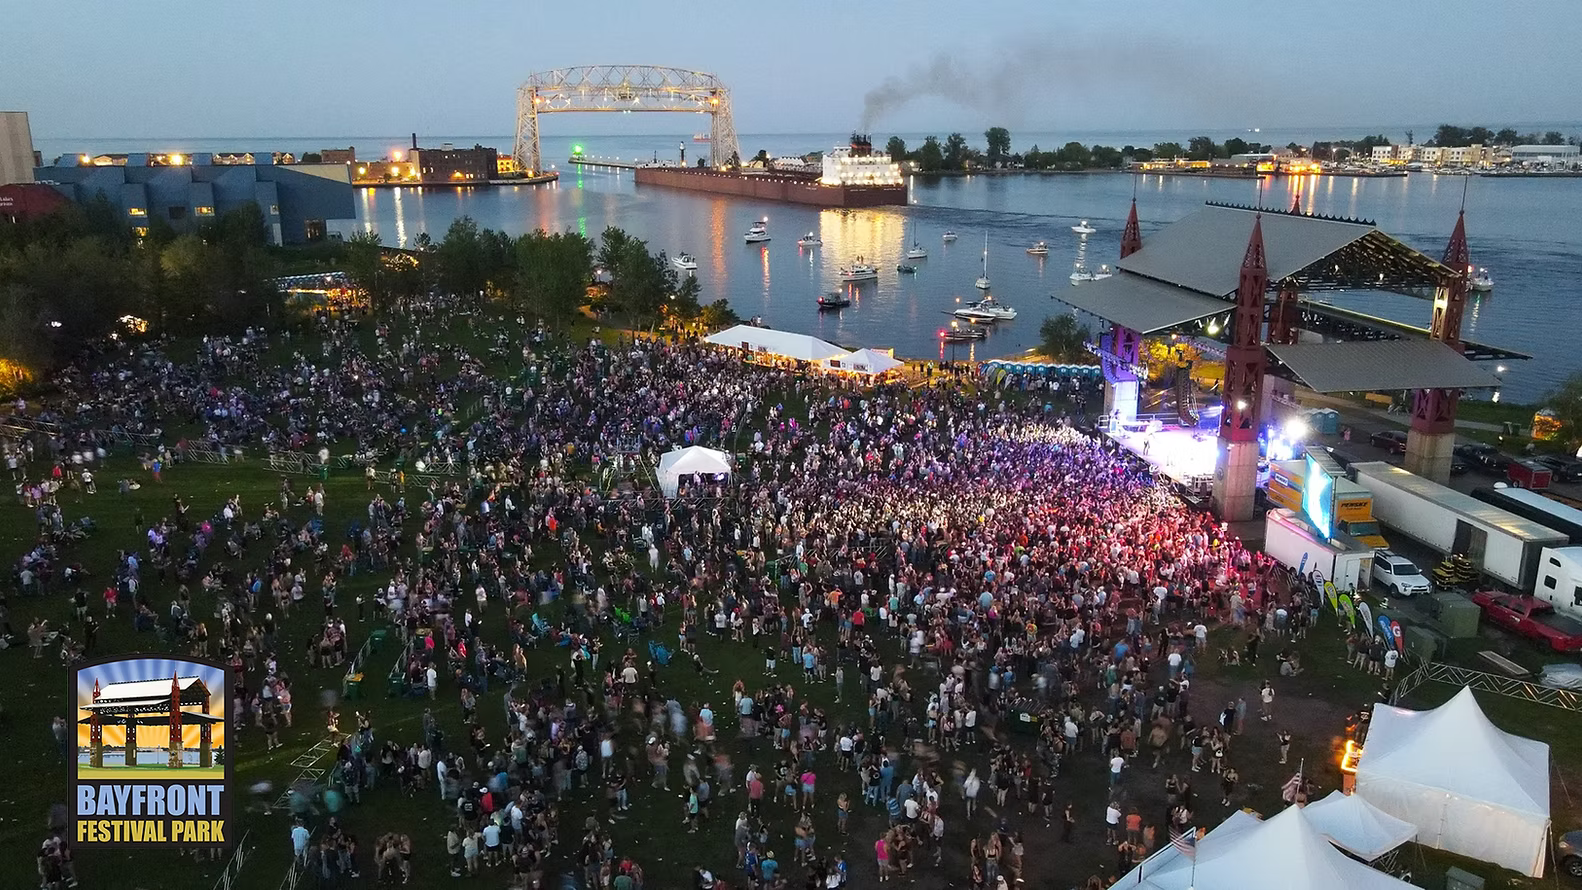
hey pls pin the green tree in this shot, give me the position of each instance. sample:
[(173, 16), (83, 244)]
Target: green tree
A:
[(312, 157), (1565, 401), (999, 141), (1138, 154), (955, 151), (1235, 145), (1106, 156), (717, 316), (1553, 137), (1033, 159), (1073, 156), (1168, 150), (552, 273), (1202, 148), (930, 158), (896, 148), (1063, 340), (365, 266), (1506, 136)]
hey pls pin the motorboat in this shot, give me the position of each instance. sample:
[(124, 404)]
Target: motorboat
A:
[(809, 240), (949, 237), (963, 335), (983, 280), (833, 300), (1082, 228), (986, 308), (1083, 273), (1039, 249), (685, 261), (759, 232), (859, 271), (916, 252), (1481, 282), (906, 268)]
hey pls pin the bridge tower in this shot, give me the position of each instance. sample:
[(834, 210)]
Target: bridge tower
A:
[(623, 89)]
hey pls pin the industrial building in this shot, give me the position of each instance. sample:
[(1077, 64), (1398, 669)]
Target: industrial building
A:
[(297, 200), (1546, 155), (448, 165), (16, 148)]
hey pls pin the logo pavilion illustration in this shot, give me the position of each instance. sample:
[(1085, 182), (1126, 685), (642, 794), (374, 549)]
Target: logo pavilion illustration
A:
[(152, 703)]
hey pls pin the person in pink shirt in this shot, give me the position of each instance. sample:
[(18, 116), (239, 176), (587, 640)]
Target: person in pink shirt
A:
[(881, 851), (808, 781)]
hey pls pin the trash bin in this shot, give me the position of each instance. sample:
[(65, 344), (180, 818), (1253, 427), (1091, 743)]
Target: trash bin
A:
[(395, 685), (376, 640), (352, 687)]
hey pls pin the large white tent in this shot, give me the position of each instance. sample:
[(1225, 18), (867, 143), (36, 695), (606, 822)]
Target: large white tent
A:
[(1358, 827), (1468, 786), (778, 343), (1283, 851), (694, 460), (864, 361)]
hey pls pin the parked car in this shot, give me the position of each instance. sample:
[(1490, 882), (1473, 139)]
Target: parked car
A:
[(1566, 469), (1393, 441), (1569, 852), (1531, 617), (1398, 574), (1459, 467), (1483, 458)]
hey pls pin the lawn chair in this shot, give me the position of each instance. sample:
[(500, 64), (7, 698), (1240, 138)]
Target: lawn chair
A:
[(659, 652)]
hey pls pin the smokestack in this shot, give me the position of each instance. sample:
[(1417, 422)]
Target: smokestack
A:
[(414, 141)]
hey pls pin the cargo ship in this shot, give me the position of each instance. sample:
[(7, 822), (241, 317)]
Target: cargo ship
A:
[(850, 176)]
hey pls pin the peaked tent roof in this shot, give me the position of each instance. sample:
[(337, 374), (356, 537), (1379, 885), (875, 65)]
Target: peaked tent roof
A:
[(146, 692), (695, 459), (771, 342), (1142, 304), (867, 361), (1358, 827), (1282, 851), (1456, 749)]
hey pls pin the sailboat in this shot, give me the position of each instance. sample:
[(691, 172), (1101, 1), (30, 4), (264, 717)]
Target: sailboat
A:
[(983, 280), (916, 252)]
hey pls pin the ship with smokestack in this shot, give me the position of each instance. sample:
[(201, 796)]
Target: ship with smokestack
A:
[(847, 176)]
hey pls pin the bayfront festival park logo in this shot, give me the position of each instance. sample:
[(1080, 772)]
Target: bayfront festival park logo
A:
[(153, 767)]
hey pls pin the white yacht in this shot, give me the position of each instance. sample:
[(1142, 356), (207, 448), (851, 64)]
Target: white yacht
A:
[(1079, 270), (1085, 274), (685, 261), (759, 232), (809, 240), (1083, 229), (916, 252), (949, 236), (1039, 249), (986, 310), (1481, 282), (983, 280), (859, 271)]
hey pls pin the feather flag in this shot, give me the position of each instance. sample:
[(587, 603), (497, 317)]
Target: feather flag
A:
[(1289, 790)]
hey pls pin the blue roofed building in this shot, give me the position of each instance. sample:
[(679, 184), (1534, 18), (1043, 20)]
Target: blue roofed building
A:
[(298, 201)]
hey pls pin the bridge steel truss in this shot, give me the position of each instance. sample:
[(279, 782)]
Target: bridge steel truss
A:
[(622, 88)]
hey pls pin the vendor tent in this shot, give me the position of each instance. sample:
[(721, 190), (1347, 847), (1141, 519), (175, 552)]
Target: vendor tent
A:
[(1358, 827), (1284, 851), (783, 344), (695, 460), (864, 361), (1468, 786)]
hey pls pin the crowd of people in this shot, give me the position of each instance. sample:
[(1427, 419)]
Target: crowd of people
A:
[(946, 592)]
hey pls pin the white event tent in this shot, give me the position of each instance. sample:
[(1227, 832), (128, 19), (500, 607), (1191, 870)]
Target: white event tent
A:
[(864, 361), (784, 344), (1468, 786), (1358, 827), (694, 460), (1283, 851)]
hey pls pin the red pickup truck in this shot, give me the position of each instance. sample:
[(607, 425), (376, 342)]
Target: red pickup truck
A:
[(1531, 617)]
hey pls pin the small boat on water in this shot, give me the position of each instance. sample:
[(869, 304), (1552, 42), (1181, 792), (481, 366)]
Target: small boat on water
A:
[(916, 251), (949, 236), (809, 240), (1079, 270), (903, 267), (963, 335), (833, 300), (986, 311), (685, 261), (1481, 282), (983, 280), (859, 271), (1039, 249), (1083, 273), (1082, 228), (759, 232)]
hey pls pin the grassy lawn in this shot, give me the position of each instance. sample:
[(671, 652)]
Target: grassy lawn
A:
[(1313, 706)]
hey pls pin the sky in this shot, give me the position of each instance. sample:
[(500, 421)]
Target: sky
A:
[(346, 67)]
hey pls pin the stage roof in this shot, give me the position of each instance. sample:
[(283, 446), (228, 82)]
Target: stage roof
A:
[(1139, 303), (157, 719), (1203, 252), (1378, 365), (1350, 324)]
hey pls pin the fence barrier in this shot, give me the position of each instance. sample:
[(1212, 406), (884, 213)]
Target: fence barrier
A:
[(1482, 681), (233, 867)]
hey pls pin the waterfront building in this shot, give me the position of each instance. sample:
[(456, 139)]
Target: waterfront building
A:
[(297, 200), (339, 155), (448, 165), (16, 148), (1547, 155)]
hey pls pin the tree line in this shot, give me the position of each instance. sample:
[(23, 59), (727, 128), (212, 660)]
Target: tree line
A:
[(955, 154), (74, 278), (552, 275)]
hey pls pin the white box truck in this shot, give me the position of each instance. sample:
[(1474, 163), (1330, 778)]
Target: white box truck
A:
[(1294, 543), (1560, 580), (1503, 545)]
